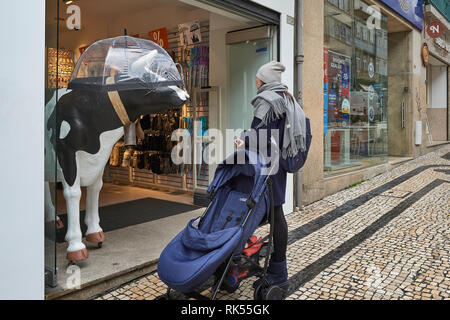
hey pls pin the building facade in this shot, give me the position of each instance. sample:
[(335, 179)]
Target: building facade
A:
[(364, 64)]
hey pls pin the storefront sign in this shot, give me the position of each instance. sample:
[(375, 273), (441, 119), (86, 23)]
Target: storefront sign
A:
[(159, 36), (411, 10), (371, 113), (371, 70), (371, 92), (425, 54), (325, 90), (435, 29), (190, 33), (337, 89), (345, 109), (441, 43)]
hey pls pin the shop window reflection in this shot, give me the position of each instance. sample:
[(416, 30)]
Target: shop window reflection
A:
[(355, 88)]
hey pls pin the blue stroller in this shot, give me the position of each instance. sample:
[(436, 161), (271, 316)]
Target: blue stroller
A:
[(212, 245)]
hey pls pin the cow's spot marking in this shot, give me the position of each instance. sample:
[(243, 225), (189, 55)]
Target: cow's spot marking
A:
[(64, 131)]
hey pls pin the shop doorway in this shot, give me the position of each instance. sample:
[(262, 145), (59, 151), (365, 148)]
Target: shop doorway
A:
[(437, 96), (247, 51), (145, 199)]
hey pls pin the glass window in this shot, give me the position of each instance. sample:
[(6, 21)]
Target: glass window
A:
[(355, 87)]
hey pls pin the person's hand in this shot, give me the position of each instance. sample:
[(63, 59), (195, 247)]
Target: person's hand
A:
[(238, 143)]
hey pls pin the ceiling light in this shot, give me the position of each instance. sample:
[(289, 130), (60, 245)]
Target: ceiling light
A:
[(69, 1)]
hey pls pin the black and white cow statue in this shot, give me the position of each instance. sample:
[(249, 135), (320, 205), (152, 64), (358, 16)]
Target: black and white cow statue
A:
[(88, 124)]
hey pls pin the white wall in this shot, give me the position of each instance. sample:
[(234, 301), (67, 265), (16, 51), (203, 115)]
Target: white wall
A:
[(22, 158), (96, 27), (438, 86)]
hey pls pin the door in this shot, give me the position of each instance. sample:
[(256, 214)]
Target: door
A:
[(247, 51), (51, 97)]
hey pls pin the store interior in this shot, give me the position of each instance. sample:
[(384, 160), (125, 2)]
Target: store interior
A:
[(145, 199)]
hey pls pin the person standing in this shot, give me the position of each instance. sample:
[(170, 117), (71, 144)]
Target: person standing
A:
[(274, 108)]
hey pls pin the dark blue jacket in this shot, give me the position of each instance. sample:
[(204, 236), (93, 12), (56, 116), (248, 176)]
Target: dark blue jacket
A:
[(279, 179)]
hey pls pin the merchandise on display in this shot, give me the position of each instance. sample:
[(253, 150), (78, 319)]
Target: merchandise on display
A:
[(60, 66), (152, 152)]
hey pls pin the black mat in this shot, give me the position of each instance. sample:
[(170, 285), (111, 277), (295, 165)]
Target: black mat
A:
[(130, 213)]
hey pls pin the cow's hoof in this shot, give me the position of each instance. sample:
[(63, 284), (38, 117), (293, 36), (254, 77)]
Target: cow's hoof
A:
[(78, 255), (96, 237)]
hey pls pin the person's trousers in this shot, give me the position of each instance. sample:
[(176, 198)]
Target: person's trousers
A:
[(280, 234)]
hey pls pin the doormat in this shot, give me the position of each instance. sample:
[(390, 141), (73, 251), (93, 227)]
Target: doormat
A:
[(130, 213)]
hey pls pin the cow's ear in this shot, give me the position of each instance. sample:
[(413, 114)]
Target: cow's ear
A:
[(139, 65)]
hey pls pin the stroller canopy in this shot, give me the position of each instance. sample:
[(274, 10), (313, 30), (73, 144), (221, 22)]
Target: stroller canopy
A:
[(255, 166), (124, 63)]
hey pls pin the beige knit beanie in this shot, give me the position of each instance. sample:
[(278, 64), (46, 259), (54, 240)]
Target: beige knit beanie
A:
[(271, 72)]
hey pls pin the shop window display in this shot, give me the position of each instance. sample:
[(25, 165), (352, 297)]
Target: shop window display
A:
[(355, 88), (146, 77)]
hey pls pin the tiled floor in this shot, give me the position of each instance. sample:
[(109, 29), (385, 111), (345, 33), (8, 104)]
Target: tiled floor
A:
[(115, 193), (386, 238)]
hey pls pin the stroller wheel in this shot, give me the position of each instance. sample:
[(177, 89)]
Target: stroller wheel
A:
[(274, 293), (257, 294), (268, 293)]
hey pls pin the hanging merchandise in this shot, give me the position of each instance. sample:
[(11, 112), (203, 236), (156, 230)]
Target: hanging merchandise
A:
[(184, 58), (190, 33), (199, 71), (114, 159), (133, 162), (60, 65), (127, 157), (155, 163)]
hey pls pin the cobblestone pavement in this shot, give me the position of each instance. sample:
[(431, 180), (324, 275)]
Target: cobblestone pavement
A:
[(386, 238)]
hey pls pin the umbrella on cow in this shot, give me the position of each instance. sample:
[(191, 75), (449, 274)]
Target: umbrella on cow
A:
[(124, 63)]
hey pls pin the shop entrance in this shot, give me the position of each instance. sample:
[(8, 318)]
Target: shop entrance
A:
[(437, 97), (145, 199)]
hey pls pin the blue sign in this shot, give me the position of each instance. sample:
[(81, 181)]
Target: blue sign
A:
[(411, 10)]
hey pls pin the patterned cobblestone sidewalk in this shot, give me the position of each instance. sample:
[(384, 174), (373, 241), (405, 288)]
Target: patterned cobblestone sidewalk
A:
[(386, 238)]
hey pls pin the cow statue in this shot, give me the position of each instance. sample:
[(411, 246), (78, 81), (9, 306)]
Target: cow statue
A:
[(88, 124)]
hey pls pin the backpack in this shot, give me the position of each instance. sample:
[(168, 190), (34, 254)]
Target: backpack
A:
[(295, 163)]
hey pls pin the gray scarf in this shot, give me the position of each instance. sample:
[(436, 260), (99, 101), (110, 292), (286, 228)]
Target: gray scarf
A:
[(269, 106)]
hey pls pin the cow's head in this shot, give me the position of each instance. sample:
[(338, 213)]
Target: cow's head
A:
[(159, 74)]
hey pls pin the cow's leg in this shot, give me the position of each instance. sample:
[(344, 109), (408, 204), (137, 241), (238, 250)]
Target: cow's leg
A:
[(76, 250), (50, 213), (94, 232), (49, 207)]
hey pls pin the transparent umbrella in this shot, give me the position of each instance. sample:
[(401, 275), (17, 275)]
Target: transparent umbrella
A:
[(124, 63)]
